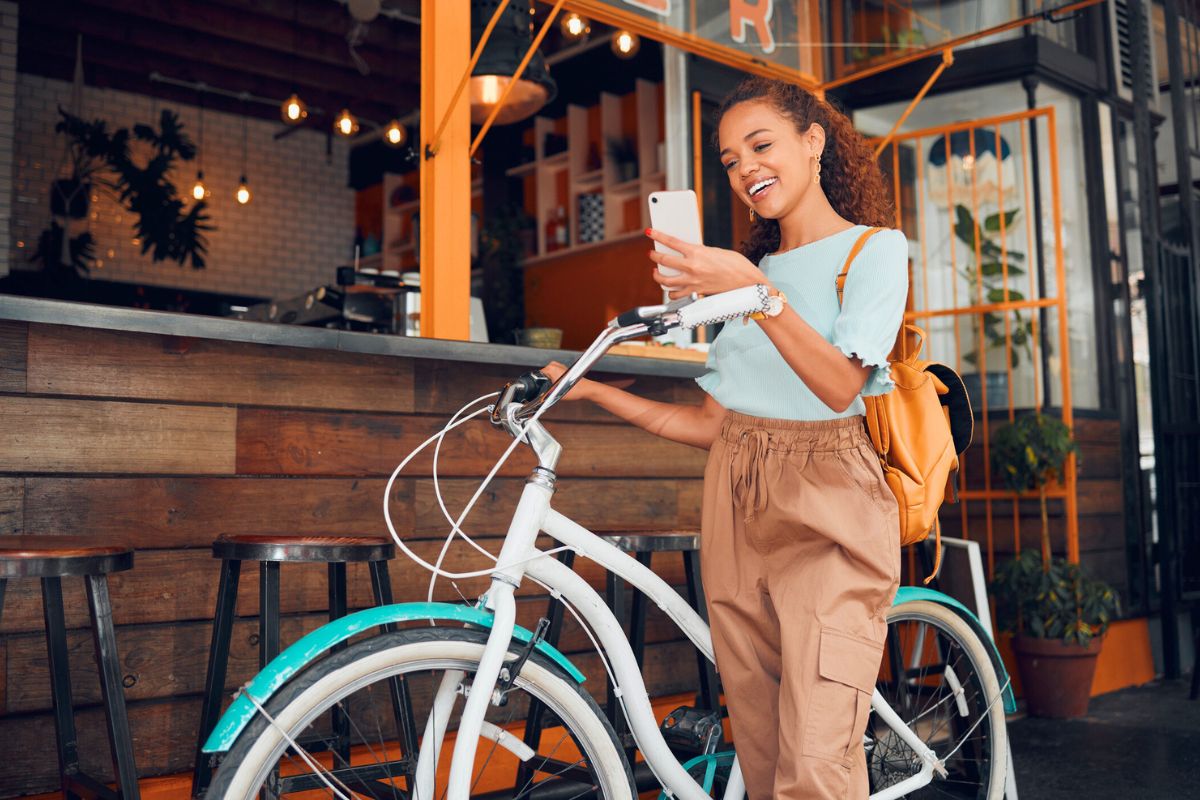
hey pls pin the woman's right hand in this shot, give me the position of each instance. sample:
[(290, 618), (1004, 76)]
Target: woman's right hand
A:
[(580, 391)]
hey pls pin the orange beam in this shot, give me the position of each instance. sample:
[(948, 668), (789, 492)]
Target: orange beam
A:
[(445, 254), (947, 60)]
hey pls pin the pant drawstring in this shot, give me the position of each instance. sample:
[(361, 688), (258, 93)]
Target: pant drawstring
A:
[(749, 473)]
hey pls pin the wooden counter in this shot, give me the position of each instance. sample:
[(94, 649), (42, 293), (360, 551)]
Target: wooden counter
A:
[(165, 431)]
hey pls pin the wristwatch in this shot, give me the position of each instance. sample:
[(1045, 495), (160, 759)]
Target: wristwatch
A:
[(775, 304)]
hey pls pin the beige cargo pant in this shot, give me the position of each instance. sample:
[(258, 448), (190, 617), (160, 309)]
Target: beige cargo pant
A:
[(800, 558)]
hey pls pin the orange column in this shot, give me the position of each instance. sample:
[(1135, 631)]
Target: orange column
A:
[(446, 177)]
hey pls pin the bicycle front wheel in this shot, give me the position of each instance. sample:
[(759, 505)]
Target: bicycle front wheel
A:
[(938, 676), (352, 726)]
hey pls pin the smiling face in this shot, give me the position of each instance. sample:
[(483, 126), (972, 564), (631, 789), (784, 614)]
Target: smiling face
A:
[(769, 163)]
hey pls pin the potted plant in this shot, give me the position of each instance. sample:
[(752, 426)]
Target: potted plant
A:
[(1058, 614), (104, 161), (986, 279)]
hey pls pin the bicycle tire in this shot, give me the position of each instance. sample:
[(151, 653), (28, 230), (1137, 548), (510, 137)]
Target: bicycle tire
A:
[(979, 686), (319, 688)]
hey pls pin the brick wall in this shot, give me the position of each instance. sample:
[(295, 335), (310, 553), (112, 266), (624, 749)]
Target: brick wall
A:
[(298, 227), (8, 99)]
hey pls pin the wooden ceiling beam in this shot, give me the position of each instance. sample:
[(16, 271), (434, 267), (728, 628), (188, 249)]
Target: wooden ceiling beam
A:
[(328, 16), (108, 64), (244, 25), (97, 26)]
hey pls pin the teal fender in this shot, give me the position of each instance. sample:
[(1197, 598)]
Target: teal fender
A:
[(908, 593), (295, 658)]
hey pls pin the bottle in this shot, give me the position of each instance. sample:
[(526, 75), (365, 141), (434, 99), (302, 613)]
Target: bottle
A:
[(562, 231), (552, 232)]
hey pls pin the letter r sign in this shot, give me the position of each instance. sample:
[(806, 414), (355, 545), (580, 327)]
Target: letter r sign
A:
[(744, 14)]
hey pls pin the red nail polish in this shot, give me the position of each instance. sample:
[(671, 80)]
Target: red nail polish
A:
[(647, 231)]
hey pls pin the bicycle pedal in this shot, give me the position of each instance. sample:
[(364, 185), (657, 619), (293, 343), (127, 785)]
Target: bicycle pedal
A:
[(696, 730)]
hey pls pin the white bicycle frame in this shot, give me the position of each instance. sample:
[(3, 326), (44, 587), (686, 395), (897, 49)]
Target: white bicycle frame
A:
[(519, 557), (534, 515)]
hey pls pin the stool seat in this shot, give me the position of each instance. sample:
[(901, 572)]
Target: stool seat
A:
[(326, 549), (679, 541), (34, 556)]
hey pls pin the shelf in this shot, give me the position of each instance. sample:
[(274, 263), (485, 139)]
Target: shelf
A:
[(590, 178), (406, 206), (521, 169), (626, 187), (579, 248), (557, 159)]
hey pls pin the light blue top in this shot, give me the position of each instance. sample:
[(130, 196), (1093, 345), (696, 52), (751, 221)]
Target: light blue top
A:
[(748, 375)]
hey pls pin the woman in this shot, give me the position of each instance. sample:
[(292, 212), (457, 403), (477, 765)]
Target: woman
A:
[(800, 548)]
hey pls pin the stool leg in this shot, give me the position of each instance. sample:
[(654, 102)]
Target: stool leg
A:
[(60, 683), (710, 697), (337, 610), (218, 661), (109, 662), (637, 616), (268, 611), (406, 727), (533, 720), (614, 593)]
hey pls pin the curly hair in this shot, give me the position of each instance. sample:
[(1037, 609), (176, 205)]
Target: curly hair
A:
[(850, 175)]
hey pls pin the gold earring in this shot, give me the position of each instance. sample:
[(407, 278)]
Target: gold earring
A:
[(752, 216), (817, 172)]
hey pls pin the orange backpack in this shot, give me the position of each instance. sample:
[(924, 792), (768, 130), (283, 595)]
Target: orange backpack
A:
[(918, 429)]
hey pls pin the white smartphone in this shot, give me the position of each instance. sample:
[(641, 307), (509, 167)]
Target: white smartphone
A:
[(676, 213)]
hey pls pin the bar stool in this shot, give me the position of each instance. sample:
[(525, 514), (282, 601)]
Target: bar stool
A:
[(51, 558), (270, 552), (643, 545)]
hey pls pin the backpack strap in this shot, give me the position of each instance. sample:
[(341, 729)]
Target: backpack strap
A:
[(854, 251)]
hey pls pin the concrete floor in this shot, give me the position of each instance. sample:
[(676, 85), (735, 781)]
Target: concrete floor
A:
[(1136, 744)]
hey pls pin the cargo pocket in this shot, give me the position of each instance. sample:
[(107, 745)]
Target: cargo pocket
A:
[(841, 700)]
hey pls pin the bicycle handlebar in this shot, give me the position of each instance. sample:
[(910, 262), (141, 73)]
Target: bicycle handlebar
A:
[(533, 391)]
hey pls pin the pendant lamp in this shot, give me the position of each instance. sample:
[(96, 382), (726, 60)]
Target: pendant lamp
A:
[(505, 48)]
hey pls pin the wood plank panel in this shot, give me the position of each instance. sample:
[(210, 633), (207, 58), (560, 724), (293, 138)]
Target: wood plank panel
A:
[(161, 661), (191, 512), (12, 505), (13, 348), (49, 435), (75, 361), (181, 585), (444, 386), (311, 443), (164, 731)]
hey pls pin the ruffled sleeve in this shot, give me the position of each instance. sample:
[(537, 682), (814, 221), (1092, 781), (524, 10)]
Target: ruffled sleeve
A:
[(873, 307)]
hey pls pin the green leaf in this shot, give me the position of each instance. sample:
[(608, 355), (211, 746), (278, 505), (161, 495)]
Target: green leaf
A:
[(992, 221)]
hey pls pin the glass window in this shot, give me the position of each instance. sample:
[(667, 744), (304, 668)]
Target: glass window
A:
[(963, 168)]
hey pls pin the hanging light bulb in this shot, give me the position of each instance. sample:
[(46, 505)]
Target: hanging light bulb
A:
[(345, 123), (243, 191), (575, 27), (200, 191), (293, 111), (506, 47), (625, 43), (395, 134)]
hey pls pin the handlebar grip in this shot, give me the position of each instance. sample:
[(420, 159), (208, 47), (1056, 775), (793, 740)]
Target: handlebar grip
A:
[(724, 306), (631, 317)]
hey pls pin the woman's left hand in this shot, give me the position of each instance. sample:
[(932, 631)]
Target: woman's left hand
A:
[(702, 269)]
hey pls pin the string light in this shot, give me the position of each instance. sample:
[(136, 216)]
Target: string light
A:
[(293, 111), (199, 191), (395, 134), (345, 124), (626, 43), (243, 195), (575, 27)]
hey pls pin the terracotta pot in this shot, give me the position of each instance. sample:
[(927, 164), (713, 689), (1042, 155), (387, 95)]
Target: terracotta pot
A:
[(1055, 677)]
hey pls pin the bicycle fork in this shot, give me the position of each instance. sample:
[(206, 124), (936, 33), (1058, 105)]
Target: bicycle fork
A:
[(518, 547)]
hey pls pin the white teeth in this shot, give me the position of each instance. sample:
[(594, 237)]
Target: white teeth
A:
[(758, 187)]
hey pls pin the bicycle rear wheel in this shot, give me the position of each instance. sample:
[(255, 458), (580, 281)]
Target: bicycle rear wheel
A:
[(379, 694), (938, 676)]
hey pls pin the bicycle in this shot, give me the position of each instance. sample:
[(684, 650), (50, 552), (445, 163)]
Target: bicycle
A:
[(935, 728)]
